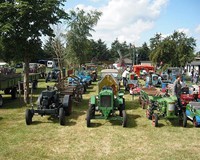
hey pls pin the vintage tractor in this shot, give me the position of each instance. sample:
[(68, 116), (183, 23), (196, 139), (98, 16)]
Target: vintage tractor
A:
[(163, 106), (107, 102), (51, 102)]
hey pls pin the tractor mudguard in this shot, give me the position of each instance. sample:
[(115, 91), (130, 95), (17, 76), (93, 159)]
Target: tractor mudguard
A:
[(66, 101), (39, 100), (93, 100)]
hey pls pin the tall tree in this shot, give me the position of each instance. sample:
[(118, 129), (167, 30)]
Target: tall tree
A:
[(22, 23), (81, 23), (174, 50)]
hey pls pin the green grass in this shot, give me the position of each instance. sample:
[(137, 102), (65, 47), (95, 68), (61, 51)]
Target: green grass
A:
[(46, 139)]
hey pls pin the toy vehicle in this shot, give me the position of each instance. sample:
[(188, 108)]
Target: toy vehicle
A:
[(107, 102), (186, 97), (163, 106), (50, 102), (192, 113), (132, 81)]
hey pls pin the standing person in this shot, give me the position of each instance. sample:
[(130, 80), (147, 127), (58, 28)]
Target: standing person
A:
[(196, 77), (177, 91), (192, 75), (124, 77)]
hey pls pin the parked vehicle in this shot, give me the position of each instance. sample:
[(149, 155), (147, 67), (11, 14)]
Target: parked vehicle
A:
[(50, 102), (50, 64), (107, 102), (192, 113)]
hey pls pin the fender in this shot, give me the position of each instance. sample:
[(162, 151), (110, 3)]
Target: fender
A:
[(93, 100)]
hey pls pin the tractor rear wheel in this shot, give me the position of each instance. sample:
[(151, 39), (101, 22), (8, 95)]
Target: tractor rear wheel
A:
[(184, 120), (124, 122), (62, 116), (88, 117), (155, 120), (28, 116), (143, 105), (67, 104)]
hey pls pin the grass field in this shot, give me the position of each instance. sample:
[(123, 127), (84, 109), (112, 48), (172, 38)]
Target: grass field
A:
[(46, 139)]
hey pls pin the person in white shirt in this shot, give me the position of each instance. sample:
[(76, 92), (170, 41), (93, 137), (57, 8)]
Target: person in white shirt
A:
[(124, 77)]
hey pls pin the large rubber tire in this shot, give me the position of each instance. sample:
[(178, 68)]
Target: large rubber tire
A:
[(1, 100), (88, 118), (67, 104), (92, 110), (35, 83), (121, 108), (195, 122), (140, 100), (143, 105), (14, 93), (28, 116), (124, 122), (184, 120), (155, 120), (61, 116)]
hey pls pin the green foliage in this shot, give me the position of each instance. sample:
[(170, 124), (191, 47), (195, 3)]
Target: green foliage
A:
[(143, 53), (98, 51), (81, 23), (23, 22), (175, 50)]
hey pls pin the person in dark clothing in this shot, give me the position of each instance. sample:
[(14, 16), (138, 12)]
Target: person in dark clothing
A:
[(177, 91), (192, 75)]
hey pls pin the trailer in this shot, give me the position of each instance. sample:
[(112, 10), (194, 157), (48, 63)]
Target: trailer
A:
[(9, 85)]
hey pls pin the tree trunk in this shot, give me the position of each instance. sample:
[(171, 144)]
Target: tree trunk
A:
[(26, 80)]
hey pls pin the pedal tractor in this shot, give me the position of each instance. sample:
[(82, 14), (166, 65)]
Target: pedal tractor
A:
[(108, 101)]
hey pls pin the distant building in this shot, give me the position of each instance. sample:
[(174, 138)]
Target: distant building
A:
[(193, 65)]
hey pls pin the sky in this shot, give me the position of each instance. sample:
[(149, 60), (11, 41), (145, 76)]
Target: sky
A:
[(136, 21)]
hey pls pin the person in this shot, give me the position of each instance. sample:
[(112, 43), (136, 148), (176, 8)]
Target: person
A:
[(124, 77), (177, 91), (196, 77), (192, 75)]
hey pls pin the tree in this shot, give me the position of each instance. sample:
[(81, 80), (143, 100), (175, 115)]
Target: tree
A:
[(143, 53), (81, 23), (174, 50), (98, 51), (22, 23)]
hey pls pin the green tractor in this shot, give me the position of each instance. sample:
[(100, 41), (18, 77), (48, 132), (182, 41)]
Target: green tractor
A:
[(109, 104), (163, 106)]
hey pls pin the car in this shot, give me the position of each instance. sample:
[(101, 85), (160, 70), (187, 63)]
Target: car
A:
[(192, 113)]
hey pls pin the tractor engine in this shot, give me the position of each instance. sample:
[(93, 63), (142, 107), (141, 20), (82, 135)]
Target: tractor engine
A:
[(48, 99)]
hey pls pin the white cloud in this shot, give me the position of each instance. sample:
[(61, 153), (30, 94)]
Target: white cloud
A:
[(126, 20), (198, 29), (184, 30)]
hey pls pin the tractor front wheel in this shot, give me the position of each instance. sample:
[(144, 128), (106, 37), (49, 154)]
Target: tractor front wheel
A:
[(195, 122), (62, 116), (88, 117), (124, 122), (28, 116), (155, 120), (148, 114), (184, 120)]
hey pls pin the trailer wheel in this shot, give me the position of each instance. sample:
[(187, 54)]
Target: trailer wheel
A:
[(67, 104), (28, 116), (1, 100), (140, 100), (124, 122), (184, 120), (14, 93), (88, 117), (62, 116), (143, 105), (35, 82), (155, 120)]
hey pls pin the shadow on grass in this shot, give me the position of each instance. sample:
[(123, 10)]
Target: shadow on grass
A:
[(131, 120), (1, 118)]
